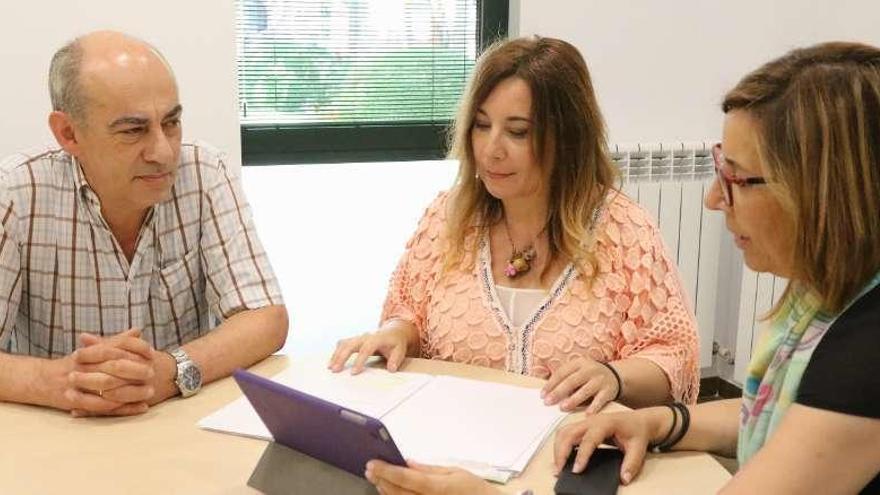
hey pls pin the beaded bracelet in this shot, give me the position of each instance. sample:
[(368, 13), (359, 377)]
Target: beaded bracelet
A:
[(616, 377)]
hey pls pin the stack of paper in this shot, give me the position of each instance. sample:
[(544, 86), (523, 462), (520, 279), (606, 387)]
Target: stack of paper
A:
[(490, 429)]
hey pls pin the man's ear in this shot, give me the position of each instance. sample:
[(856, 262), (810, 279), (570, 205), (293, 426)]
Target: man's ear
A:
[(64, 129)]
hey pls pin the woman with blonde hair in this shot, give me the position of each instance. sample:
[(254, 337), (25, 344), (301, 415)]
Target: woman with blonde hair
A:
[(534, 262)]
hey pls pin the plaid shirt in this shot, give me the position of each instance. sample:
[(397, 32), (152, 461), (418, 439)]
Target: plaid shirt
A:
[(198, 258)]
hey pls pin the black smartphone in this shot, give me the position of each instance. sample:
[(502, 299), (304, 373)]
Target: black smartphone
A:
[(601, 477)]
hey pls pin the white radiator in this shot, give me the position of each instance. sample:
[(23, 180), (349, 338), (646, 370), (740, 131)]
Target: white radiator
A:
[(670, 181), (758, 293)]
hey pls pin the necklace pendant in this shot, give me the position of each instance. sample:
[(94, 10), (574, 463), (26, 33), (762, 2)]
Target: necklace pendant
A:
[(510, 271), (519, 263)]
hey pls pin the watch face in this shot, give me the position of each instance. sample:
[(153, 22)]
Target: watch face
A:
[(191, 379)]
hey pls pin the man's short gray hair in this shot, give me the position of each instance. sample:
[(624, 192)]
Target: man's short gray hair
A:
[(65, 82), (65, 89)]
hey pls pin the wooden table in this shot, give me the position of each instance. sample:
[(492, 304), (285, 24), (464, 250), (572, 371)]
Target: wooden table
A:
[(45, 451)]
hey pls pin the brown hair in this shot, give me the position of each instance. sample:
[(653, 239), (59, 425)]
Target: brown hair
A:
[(569, 137), (817, 111)]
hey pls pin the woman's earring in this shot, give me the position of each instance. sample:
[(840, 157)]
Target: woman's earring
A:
[(477, 176)]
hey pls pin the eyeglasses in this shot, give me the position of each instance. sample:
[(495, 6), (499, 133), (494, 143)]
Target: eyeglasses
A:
[(727, 179)]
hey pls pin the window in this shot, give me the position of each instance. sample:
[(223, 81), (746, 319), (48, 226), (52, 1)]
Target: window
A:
[(355, 80)]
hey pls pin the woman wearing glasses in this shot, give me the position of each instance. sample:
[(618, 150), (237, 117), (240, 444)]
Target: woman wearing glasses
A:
[(534, 262), (798, 180), (799, 184)]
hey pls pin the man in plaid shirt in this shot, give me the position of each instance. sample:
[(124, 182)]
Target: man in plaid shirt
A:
[(130, 270)]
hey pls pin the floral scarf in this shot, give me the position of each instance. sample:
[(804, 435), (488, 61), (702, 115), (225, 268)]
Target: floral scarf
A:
[(778, 363)]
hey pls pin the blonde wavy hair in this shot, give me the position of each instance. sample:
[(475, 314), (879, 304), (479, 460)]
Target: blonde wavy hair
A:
[(817, 111), (569, 137)]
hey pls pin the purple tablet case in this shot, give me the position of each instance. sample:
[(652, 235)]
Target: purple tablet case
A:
[(338, 436)]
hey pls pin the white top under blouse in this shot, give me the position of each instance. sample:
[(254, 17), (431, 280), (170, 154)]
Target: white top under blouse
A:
[(519, 304)]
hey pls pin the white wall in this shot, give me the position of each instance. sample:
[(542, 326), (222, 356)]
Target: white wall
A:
[(334, 234), (661, 68), (196, 36)]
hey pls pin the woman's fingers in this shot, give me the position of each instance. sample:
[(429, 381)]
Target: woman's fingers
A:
[(387, 488), (574, 383), (627, 430), (592, 439), (367, 349), (568, 386), (398, 353), (400, 478), (634, 450), (587, 391), (566, 438), (600, 399), (557, 376), (344, 349), (427, 468), (390, 343)]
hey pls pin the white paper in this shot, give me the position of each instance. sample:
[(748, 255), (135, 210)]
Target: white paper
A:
[(239, 418), (525, 456), (472, 421), (373, 392)]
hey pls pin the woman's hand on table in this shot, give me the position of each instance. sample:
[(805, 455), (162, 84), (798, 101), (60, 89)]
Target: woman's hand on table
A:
[(391, 343), (578, 381), (425, 480), (631, 431)]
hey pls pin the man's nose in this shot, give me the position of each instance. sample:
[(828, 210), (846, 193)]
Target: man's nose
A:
[(160, 149)]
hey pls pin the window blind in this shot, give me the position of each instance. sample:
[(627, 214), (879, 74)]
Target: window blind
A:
[(308, 63)]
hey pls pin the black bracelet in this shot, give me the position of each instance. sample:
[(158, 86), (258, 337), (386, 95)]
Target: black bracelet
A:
[(685, 424), (656, 448), (616, 377)]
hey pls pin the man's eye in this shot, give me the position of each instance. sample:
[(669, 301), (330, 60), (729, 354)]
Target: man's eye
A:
[(132, 131), (172, 123)]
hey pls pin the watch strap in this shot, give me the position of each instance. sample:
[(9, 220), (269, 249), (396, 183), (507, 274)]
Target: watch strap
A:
[(183, 360)]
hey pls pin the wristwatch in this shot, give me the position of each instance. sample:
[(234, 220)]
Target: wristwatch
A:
[(189, 376)]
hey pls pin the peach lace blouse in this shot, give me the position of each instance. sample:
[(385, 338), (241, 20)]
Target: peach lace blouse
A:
[(633, 308)]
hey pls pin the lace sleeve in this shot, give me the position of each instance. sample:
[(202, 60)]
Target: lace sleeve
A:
[(658, 325)]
